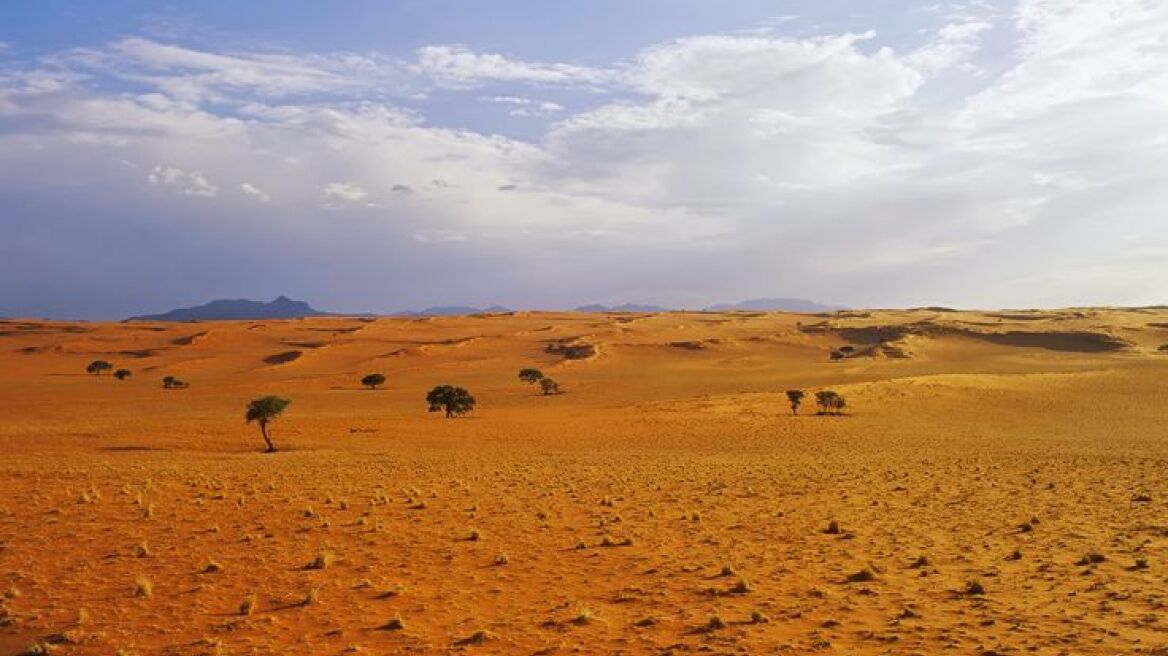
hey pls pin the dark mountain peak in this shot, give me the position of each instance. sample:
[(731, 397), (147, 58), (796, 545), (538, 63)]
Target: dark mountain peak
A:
[(238, 309)]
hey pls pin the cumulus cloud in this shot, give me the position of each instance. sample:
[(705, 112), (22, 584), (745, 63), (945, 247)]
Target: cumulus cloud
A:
[(255, 192), (836, 165), (459, 66), (336, 193), (193, 183)]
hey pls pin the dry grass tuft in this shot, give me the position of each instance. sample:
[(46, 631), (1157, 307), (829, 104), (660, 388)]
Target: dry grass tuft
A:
[(394, 624), (143, 587), (323, 560)]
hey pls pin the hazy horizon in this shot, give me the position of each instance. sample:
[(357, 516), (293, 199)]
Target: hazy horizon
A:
[(383, 156)]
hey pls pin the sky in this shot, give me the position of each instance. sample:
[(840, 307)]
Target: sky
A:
[(372, 156)]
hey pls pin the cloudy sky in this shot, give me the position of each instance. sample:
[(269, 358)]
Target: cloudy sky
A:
[(371, 155)]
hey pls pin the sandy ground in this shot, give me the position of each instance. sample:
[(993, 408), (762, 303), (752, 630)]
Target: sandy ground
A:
[(999, 485)]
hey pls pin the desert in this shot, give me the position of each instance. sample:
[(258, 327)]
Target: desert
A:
[(995, 484)]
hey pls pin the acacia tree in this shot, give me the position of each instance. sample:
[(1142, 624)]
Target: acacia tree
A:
[(838, 403), (530, 376), (122, 374), (454, 401), (795, 397), (98, 367), (830, 402), (265, 410), (373, 380), (823, 399), (549, 386)]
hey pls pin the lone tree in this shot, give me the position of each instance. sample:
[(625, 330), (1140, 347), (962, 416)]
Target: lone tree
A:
[(796, 399), (549, 386), (454, 401), (373, 380), (530, 376), (122, 374), (264, 410), (98, 367), (170, 382)]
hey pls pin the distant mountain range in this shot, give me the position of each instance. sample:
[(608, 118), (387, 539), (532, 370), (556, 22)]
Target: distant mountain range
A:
[(239, 308), (627, 307), (775, 305), (286, 308), (450, 311), (754, 305)]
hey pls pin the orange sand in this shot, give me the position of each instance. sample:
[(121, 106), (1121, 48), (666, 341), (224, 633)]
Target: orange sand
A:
[(673, 443)]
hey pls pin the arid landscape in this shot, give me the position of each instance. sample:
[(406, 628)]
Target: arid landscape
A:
[(997, 484)]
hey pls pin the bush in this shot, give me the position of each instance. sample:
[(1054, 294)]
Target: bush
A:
[(572, 351), (549, 386), (530, 375), (122, 374), (373, 380), (98, 367)]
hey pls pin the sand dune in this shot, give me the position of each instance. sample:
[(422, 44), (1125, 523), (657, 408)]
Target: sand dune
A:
[(997, 486)]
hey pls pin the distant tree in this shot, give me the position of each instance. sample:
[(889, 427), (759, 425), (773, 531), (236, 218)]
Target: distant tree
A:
[(823, 399), (847, 350), (122, 374), (373, 380), (530, 376), (837, 355), (838, 404), (454, 401), (98, 367), (795, 397), (830, 402), (549, 386), (170, 382), (264, 410)]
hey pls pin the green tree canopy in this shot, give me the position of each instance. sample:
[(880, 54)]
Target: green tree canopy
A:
[(454, 401), (795, 397), (549, 386), (264, 410)]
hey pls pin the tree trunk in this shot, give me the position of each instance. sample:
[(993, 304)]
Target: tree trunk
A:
[(449, 414), (264, 432)]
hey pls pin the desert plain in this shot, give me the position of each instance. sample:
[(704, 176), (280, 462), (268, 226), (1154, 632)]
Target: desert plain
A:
[(998, 484)]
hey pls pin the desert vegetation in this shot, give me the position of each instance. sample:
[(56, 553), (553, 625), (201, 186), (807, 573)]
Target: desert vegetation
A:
[(454, 401), (373, 381), (98, 367), (264, 411)]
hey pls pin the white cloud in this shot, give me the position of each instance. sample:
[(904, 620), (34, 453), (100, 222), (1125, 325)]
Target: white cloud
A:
[(193, 183), (458, 66), (525, 106), (335, 193), (255, 192), (192, 75)]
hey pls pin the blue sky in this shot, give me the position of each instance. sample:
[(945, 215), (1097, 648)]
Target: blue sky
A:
[(373, 156)]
